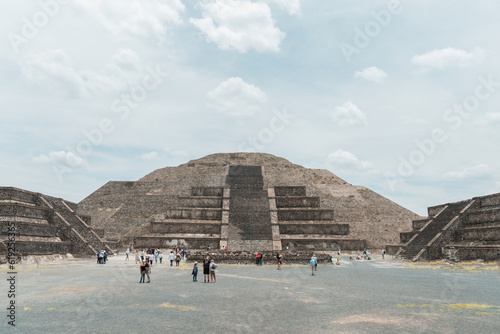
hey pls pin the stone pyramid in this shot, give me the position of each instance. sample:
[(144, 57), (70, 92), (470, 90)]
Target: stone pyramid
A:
[(245, 201)]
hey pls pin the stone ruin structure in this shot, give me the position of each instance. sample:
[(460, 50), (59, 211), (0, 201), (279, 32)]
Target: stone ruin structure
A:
[(462, 230), (247, 202), (45, 225)]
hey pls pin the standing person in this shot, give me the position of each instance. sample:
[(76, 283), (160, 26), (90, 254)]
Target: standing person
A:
[(156, 256), (161, 257), (171, 257), (313, 264), (279, 259), (137, 258), (142, 255), (257, 258), (177, 260), (148, 270), (206, 270), (260, 258), (213, 266), (151, 258), (98, 260), (105, 256), (383, 253), (142, 268), (126, 255), (195, 272)]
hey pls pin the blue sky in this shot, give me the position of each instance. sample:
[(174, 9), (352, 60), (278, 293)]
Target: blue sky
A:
[(400, 96)]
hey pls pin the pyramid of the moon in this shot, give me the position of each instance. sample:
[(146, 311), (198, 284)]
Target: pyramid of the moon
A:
[(245, 201)]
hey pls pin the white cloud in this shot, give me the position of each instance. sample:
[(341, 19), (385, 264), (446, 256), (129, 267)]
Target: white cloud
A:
[(292, 6), (237, 98), (470, 172), (176, 153), (61, 157), (150, 156), (347, 161), (126, 60), (135, 18), (239, 24), (449, 57), (373, 74), (349, 115), (493, 116), (54, 70)]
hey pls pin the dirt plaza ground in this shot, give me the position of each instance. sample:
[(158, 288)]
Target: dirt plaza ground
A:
[(380, 296)]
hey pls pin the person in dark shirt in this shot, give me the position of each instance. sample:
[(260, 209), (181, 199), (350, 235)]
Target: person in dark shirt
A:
[(206, 270), (142, 268)]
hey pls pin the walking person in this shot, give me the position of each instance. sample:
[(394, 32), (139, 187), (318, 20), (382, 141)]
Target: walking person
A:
[(142, 268), (177, 260), (315, 263), (137, 258), (206, 270), (383, 254), (257, 258), (260, 258), (148, 270), (126, 255), (213, 266), (171, 257), (142, 255), (161, 257), (195, 272)]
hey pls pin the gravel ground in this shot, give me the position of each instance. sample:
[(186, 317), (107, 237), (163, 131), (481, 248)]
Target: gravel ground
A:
[(382, 296)]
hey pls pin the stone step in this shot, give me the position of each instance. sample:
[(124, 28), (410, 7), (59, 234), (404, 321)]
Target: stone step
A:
[(290, 191)]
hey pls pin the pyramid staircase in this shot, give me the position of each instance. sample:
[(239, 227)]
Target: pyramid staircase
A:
[(426, 240), (45, 225), (249, 223)]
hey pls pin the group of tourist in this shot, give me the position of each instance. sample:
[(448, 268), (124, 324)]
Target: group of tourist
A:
[(102, 256), (209, 267), (150, 256), (258, 258)]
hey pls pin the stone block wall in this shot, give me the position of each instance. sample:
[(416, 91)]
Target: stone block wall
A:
[(297, 202), (168, 242), (297, 214), (314, 228), (30, 229), (290, 191), (322, 245), (41, 247), (200, 202), (198, 214), (22, 210), (176, 227), (18, 195)]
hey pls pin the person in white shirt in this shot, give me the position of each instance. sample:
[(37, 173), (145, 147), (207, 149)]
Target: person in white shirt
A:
[(171, 257)]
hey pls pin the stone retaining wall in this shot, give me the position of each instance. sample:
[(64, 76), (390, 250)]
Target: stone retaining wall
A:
[(285, 214), (201, 228), (327, 229)]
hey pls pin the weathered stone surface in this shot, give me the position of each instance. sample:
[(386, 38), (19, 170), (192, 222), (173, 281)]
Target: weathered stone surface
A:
[(45, 225), (471, 231), (125, 209)]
